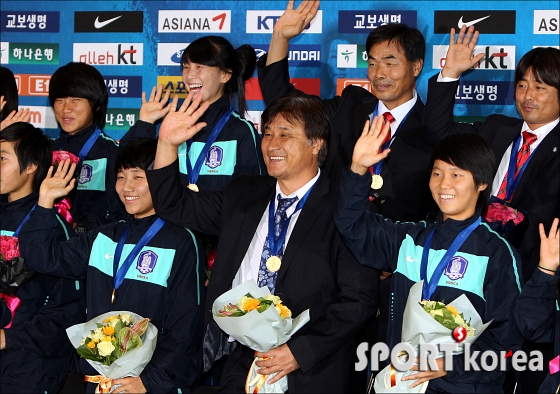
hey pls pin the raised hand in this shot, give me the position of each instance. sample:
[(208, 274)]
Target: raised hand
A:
[(58, 184), (155, 108), (22, 115), (292, 22), (179, 125), (366, 151), (460, 55), (550, 255)]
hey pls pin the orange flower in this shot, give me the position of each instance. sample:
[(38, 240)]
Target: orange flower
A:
[(283, 311), (108, 330), (91, 344), (248, 304), (453, 310)]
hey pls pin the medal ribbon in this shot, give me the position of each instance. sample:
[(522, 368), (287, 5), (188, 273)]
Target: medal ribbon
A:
[(193, 173), (120, 273), (376, 168), (25, 219), (430, 286), (89, 144), (275, 244), (511, 181)]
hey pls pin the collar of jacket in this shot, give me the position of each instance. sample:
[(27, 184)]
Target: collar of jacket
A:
[(74, 143)]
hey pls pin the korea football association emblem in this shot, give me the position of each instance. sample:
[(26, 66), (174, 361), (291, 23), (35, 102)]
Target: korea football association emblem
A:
[(85, 174), (146, 262), (214, 157), (456, 268)]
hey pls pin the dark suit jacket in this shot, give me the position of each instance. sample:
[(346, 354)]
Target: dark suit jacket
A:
[(405, 195), (317, 273), (538, 192)]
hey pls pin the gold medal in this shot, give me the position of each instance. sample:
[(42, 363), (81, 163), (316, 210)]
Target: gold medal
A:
[(376, 181), (193, 187), (113, 297), (273, 263)]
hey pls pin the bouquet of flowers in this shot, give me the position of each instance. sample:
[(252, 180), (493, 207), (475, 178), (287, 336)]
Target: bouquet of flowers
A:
[(431, 327), (503, 218), (246, 313), (58, 156), (116, 344), (13, 271)]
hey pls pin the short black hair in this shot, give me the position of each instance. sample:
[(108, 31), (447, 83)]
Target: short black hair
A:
[(471, 153), (8, 89), (139, 153), (31, 147), (409, 39), (83, 81), (216, 51), (309, 112), (544, 63)]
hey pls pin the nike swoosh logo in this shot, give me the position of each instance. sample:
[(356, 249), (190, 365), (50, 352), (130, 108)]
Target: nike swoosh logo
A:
[(107, 256), (467, 24), (99, 25), (410, 259)]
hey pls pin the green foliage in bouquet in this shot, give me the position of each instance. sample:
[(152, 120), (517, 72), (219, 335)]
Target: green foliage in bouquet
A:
[(447, 315)]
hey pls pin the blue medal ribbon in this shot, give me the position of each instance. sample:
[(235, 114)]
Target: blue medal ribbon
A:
[(275, 244), (512, 180), (193, 173), (376, 168), (25, 219), (89, 144), (430, 286), (120, 273)]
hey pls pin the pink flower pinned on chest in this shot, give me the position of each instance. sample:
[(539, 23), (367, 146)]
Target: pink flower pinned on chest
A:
[(58, 156)]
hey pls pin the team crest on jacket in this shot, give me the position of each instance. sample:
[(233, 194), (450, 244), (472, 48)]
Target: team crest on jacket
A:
[(214, 157), (456, 268), (146, 262), (85, 174)]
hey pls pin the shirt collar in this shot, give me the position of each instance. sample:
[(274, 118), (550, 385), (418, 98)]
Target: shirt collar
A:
[(542, 131), (399, 112), (299, 192)]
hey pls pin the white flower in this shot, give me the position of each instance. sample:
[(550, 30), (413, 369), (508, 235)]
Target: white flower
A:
[(126, 318), (97, 334), (105, 348), (438, 312), (113, 322), (275, 299)]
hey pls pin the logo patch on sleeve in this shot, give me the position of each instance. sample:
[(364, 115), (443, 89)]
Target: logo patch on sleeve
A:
[(146, 262)]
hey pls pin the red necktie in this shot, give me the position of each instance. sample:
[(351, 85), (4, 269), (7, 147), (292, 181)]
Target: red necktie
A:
[(522, 156), (387, 118)]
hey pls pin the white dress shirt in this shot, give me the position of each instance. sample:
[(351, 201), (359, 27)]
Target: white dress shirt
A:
[(398, 113)]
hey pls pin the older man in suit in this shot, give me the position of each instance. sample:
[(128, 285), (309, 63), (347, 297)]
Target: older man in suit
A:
[(395, 58), (316, 272), (529, 145)]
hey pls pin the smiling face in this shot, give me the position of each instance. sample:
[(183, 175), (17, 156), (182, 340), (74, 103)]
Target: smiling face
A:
[(73, 114), (14, 182), (133, 190), (288, 155), (536, 101), (211, 81), (454, 191), (391, 75)]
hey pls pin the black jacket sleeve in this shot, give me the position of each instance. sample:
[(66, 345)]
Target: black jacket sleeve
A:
[(140, 129), (176, 359)]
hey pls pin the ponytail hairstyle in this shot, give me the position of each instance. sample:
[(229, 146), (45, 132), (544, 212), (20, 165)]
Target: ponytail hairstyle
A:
[(216, 51)]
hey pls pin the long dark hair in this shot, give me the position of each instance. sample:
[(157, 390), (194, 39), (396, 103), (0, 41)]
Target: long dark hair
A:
[(8, 89), (216, 51)]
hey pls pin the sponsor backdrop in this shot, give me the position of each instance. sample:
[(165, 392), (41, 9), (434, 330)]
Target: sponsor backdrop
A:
[(137, 44)]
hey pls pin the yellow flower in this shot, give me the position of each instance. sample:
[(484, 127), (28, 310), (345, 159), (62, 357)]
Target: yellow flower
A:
[(91, 344), (283, 311), (247, 304), (275, 299), (108, 330), (453, 310), (109, 318), (108, 338)]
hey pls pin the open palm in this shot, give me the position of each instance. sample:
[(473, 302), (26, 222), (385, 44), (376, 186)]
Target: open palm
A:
[(366, 151)]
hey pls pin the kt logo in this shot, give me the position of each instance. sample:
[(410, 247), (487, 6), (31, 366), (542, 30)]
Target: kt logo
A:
[(123, 53), (489, 58)]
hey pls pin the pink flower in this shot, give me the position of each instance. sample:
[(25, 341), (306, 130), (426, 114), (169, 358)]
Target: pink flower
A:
[(503, 214), (9, 247), (60, 155)]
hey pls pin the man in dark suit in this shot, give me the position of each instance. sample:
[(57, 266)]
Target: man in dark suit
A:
[(317, 272), (537, 98), (395, 60)]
